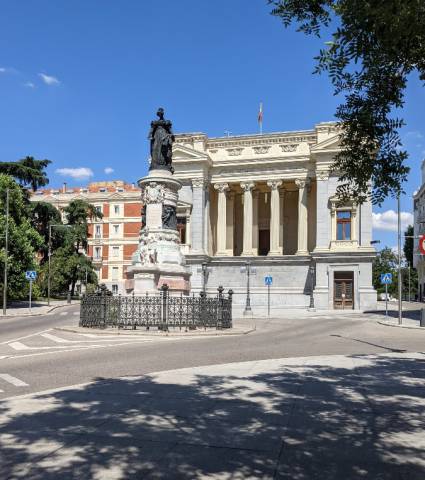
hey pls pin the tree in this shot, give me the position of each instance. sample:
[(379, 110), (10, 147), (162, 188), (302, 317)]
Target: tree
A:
[(24, 240), (408, 254), (408, 245), (375, 46), (30, 173), (42, 215), (69, 264), (385, 262)]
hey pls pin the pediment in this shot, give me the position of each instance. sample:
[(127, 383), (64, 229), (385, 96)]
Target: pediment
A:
[(183, 153), (329, 145)]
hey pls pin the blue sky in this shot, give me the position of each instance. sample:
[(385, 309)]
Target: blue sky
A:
[(80, 81)]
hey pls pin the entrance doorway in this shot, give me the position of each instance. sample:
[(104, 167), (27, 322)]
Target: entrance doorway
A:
[(343, 290), (263, 242)]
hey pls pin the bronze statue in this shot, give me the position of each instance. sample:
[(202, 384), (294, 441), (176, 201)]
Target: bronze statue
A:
[(161, 138)]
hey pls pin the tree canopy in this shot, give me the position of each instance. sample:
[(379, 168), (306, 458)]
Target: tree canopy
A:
[(28, 171), (373, 49)]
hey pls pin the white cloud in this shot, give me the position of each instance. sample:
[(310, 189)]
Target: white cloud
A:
[(7, 70), (49, 79), (81, 173), (29, 85), (414, 134), (388, 220), (108, 170)]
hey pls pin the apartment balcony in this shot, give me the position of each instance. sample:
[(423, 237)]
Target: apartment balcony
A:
[(97, 260)]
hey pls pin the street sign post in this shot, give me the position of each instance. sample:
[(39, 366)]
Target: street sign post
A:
[(268, 280), (386, 279), (422, 244), (30, 275)]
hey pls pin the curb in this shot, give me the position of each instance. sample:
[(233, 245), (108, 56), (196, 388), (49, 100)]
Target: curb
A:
[(38, 314), (412, 327), (132, 333)]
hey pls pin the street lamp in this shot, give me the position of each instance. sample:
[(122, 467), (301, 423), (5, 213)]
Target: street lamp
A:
[(249, 270), (49, 254), (205, 270), (312, 271)]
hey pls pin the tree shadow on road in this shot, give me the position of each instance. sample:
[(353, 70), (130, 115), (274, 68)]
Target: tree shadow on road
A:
[(301, 420)]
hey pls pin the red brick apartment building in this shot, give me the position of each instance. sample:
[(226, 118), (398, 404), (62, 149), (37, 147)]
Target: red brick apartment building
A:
[(114, 238)]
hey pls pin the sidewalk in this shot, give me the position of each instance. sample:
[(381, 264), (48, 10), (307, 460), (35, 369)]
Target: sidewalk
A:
[(20, 309), (328, 417)]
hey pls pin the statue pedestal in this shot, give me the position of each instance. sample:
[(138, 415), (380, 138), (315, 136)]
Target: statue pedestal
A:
[(158, 259)]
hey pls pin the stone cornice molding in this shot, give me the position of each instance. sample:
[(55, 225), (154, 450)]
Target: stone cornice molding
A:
[(289, 147), (261, 150), (221, 187), (247, 186), (263, 140), (274, 184)]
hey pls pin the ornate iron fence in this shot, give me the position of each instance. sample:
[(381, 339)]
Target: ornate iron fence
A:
[(162, 311)]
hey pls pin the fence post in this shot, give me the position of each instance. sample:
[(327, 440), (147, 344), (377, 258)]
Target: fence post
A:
[(230, 293), (103, 308), (202, 308), (133, 306), (219, 318), (164, 294)]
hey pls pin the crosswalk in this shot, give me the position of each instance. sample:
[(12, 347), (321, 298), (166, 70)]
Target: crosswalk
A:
[(11, 380)]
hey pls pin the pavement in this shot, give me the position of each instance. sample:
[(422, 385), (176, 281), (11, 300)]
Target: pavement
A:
[(19, 309), (327, 417), (317, 394)]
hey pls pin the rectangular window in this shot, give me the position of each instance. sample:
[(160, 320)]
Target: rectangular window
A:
[(115, 229), (98, 208), (116, 209), (98, 233), (114, 273), (343, 225), (115, 252), (115, 289), (97, 253)]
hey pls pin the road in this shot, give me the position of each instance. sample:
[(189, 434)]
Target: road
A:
[(34, 356)]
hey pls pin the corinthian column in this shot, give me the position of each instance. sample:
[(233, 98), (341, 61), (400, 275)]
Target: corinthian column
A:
[(274, 216), (247, 217), (302, 217), (221, 218)]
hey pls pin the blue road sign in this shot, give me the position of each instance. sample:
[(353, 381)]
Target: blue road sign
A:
[(31, 275), (268, 280), (386, 278)]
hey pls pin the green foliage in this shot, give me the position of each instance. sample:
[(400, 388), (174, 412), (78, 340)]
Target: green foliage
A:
[(42, 215), (385, 262), (77, 214), (408, 245), (30, 173), (375, 46), (24, 240)]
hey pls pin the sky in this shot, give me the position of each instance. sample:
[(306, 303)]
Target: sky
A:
[(80, 82)]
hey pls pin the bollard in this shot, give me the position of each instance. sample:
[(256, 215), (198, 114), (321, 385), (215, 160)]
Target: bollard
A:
[(68, 297), (422, 319)]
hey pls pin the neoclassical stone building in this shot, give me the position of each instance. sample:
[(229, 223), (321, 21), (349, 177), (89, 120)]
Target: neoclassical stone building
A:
[(270, 200)]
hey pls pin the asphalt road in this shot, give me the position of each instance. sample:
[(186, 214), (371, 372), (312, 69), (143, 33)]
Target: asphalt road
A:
[(35, 357)]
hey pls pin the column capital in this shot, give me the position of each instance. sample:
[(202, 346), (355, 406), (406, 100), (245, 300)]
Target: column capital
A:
[(199, 182), (274, 184), (247, 186), (301, 182), (221, 187), (322, 175)]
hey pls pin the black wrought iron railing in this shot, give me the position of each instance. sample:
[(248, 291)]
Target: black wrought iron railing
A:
[(163, 311)]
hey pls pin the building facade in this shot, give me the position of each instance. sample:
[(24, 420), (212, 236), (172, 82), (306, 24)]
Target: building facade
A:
[(269, 200), (419, 230), (114, 238)]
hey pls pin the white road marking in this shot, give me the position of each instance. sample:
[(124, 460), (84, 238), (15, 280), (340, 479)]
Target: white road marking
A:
[(64, 313), (54, 338), (76, 313), (26, 336), (18, 346), (13, 380)]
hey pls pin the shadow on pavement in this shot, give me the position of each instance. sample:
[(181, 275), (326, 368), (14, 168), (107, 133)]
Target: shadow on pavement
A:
[(301, 420)]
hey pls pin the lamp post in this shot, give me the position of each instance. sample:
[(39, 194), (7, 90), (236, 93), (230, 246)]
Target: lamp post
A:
[(249, 270), (6, 254), (312, 271), (400, 305), (49, 254)]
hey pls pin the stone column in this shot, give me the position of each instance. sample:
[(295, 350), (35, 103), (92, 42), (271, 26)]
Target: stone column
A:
[(302, 217), (221, 218), (274, 216), (255, 196), (229, 218), (188, 229), (198, 216), (282, 219), (323, 218), (247, 217)]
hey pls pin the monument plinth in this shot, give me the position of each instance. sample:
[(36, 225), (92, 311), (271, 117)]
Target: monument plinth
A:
[(158, 259)]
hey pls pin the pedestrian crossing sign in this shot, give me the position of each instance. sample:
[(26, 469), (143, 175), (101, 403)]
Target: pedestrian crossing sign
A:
[(31, 275), (386, 278)]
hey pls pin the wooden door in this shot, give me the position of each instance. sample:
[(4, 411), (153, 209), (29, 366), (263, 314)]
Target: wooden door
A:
[(343, 290)]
